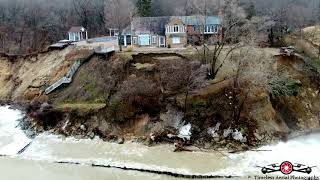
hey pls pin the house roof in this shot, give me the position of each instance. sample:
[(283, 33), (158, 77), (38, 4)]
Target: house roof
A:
[(199, 20), (76, 29), (156, 25)]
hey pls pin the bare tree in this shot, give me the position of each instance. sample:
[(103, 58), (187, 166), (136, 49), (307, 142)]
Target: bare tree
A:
[(233, 18), (252, 73), (187, 7), (118, 14), (25, 23), (82, 9), (33, 24), (178, 75), (239, 94)]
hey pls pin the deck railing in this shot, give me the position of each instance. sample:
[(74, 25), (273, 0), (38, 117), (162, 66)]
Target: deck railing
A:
[(66, 79)]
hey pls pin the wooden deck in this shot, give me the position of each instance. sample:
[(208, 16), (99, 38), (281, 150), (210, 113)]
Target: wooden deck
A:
[(104, 50), (59, 45)]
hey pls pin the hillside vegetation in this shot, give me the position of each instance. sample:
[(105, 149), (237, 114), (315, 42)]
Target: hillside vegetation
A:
[(256, 98)]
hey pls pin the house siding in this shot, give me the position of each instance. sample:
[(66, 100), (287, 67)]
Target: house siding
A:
[(181, 35), (183, 41), (173, 27), (152, 44), (194, 36)]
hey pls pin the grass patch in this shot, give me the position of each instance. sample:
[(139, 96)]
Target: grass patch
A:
[(312, 33), (125, 56), (91, 89), (82, 107), (316, 64), (130, 49), (143, 66)]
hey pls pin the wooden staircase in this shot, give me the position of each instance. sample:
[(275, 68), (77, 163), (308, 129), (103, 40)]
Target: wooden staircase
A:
[(66, 79)]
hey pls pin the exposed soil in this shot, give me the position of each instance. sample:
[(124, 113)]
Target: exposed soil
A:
[(25, 77), (119, 99)]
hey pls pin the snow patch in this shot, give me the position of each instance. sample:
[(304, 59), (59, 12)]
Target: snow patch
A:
[(213, 131), (238, 136), (185, 132), (227, 132), (235, 134)]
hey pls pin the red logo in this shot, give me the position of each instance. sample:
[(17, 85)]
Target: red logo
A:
[(286, 167)]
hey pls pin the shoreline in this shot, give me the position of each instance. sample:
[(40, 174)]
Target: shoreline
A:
[(25, 124)]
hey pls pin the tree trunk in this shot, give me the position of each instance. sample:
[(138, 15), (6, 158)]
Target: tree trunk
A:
[(186, 101), (119, 40), (21, 38)]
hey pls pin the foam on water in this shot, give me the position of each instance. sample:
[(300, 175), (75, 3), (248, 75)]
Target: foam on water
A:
[(12, 139), (302, 150), (131, 155)]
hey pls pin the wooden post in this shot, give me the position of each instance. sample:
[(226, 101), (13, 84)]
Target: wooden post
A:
[(125, 40)]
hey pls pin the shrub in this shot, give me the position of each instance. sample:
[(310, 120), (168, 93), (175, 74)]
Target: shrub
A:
[(179, 75), (284, 87), (134, 96), (130, 49)]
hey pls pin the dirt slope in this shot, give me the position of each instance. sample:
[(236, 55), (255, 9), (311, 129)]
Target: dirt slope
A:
[(26, 77), (141, 97)]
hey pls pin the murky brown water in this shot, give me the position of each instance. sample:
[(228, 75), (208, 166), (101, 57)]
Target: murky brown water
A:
[(129, 154), (18, 169)]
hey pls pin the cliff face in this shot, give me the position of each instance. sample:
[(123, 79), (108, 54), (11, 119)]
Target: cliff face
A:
[(25, 77), (300, 111), (152, 97)]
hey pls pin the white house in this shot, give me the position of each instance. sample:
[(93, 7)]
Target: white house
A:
[(77, 33)]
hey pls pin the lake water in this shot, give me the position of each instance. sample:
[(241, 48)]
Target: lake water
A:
[(38, 161)]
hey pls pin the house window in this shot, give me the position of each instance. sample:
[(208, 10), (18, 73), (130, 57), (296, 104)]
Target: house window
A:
[(194, 28), (211, 29), (176, 28), (135, 40), (207, 29), (144, 40), (154, 39), (77, 36), (176, 40)]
